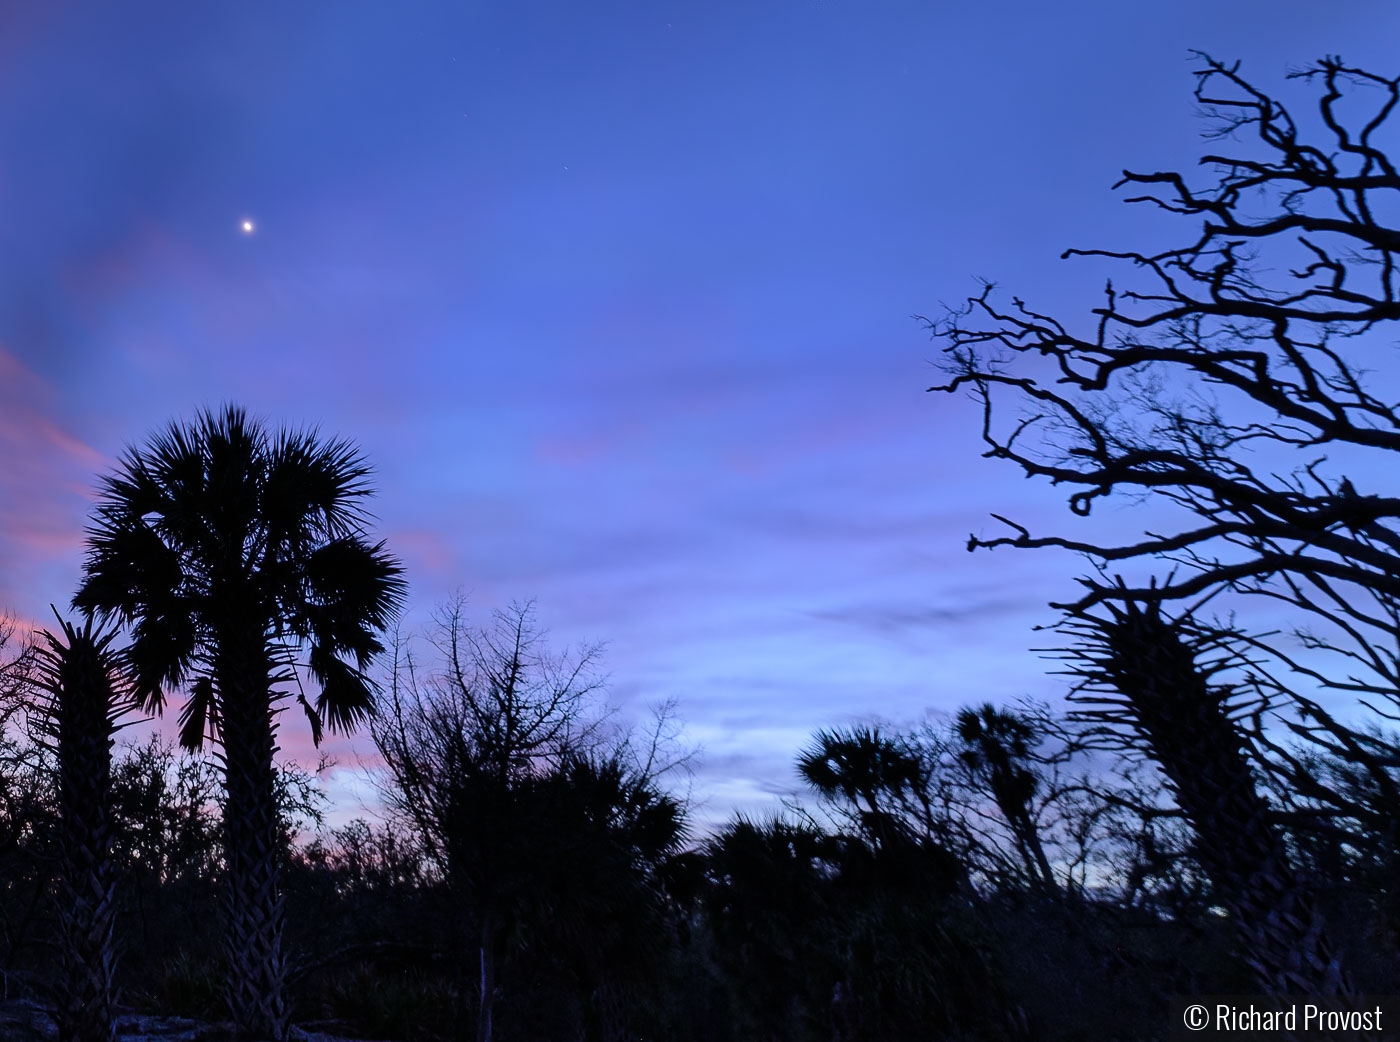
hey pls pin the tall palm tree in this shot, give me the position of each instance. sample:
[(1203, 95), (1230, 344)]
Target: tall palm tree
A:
[(86, 695), (230, 550), (997, 746)]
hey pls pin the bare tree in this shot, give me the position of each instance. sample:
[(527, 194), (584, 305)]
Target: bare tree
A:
[(521, 703), (503, 761), (1244, 378), (500, 702), (28, 794), (18, 660), (1235, 379)]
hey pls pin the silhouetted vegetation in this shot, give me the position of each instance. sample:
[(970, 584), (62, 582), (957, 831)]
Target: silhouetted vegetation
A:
[(928, 917), (1235, 381), (1217, 811), (228, 549)]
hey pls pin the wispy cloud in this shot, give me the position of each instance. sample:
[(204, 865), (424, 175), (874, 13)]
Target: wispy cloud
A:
[(891, 618), (45, 478)]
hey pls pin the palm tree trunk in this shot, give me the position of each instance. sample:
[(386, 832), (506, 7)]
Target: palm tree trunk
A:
[(253, 902), (1184, 723), (1033, 851)]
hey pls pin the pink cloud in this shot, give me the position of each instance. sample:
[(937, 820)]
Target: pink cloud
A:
[(423, 550), (45, 476), (46, 542), (150, 246), (21, 627), (24, 428), (75, 449)]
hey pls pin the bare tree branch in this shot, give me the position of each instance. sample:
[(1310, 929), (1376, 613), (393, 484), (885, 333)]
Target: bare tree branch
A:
[(1238, 376)]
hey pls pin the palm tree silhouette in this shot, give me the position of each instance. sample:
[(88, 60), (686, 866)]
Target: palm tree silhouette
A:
[(770, 897), (996, 746), (86, 694), (611, 834), (875, 774), (229, 550)]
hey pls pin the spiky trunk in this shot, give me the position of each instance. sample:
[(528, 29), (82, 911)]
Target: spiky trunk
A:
[(1185, 725), (85, 703), (253, 903)]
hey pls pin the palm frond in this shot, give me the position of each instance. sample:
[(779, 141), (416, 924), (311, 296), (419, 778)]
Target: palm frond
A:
[(313, 489), (347, 697), (313, 718), (217, 520), (127, 565), (197, 714), (81, 655), (349, 590)]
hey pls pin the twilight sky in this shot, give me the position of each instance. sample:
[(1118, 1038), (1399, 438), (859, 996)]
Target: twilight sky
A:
[(616, 297)]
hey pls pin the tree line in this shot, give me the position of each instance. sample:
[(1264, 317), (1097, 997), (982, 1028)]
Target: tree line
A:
[(992, 875), (1215, 812)]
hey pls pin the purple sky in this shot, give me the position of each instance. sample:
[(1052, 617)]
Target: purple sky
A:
[(616, 297)]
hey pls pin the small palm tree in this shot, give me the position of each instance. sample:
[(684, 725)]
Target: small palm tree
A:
[(611, 834), (86, 693), (230, 550), (770, 898), (874, 774)]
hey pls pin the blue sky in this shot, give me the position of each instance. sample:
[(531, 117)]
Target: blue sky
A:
[(616, 297)]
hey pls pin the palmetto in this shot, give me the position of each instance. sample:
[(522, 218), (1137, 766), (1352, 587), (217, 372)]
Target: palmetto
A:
[(230, 550), (872, 772), (86, 695)]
